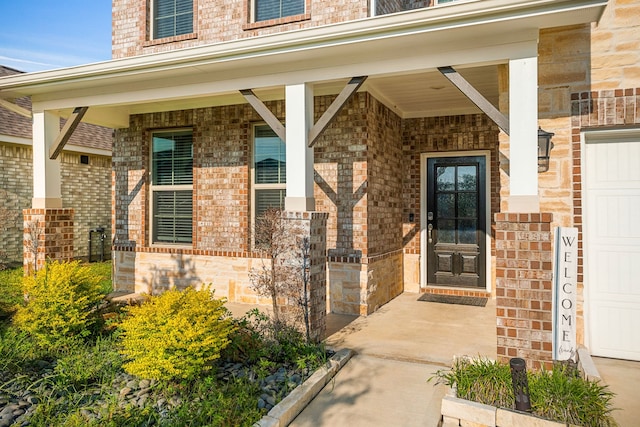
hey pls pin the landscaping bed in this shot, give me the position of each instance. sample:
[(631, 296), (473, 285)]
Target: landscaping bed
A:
[(88, 380), (481, 394)]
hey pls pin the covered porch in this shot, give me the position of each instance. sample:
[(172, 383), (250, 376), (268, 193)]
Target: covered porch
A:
[(423, 68)]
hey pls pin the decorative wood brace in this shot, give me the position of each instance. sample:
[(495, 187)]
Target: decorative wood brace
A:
[(66, 132), (476, 97), (15, 108), (324, 121)]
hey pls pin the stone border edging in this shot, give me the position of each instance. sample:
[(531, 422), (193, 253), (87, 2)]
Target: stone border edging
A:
[(288, 409)]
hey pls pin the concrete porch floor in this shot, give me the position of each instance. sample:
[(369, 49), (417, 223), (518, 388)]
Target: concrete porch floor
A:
[(399, 347)]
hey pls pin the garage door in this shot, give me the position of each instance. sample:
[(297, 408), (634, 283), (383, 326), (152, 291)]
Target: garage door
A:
[(612, 244)]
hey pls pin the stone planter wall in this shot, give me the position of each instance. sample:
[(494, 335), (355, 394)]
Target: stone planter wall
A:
[(460, 412)]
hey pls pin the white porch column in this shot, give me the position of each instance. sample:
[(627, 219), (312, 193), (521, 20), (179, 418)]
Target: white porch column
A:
[(47, 192), (299, 120), (523, 138)]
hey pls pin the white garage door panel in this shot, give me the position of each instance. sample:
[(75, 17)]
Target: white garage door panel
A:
[(619, 344), (612, 246)]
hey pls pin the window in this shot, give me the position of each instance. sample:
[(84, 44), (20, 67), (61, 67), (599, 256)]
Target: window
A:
[(274, 9), (269, 170), (172, 187), (172, 18)]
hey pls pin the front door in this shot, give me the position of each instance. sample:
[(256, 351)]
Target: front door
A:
[(456, 221)]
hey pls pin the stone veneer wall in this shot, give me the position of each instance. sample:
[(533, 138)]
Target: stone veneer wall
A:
[(85, 188), (593, 110), (437, 135), (524, 291)]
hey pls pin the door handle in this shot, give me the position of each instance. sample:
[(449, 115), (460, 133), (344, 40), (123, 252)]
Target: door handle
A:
[(429, 230)]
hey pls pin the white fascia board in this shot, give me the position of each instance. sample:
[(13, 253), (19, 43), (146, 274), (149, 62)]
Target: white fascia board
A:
[(15, 140), (86, 150), (413, 61), (462, 21)]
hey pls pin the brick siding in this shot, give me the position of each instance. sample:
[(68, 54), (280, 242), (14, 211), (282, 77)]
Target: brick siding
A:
[(436, 135), (85, 188), (524, 293), (217, 21), (51, 234)]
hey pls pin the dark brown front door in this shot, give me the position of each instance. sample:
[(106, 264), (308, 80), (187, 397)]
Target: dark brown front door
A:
[(456, 221)]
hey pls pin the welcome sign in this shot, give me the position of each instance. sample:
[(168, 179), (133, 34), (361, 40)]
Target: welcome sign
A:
[(565, 284)]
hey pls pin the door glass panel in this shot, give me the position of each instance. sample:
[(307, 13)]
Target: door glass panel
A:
[(467, 178), (446, 178), (446, 231), (446, 205), (467, 205), (467, 231)]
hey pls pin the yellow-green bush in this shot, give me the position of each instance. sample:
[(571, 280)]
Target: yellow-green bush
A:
[(61, 304), (175, 335)]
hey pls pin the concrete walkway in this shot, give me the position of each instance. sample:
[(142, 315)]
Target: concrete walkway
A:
[(623, 378), (398, 349)]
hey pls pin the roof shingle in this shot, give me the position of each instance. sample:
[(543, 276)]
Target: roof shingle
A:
[(85, 135)]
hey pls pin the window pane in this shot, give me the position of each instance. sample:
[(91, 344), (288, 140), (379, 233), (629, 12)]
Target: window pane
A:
[(184, 6), (446, 231), (184, 24), (274, 9), (467, 178), (467, 231), (172, 18), (266, 199), (446, 205), (269, 157), (292, 7), (164, 8), (467, 205), (172, 162), (172, 216), (164, 27), (445, 176)]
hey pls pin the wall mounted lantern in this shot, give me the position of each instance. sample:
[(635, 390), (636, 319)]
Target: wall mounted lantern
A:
[(544, 149)]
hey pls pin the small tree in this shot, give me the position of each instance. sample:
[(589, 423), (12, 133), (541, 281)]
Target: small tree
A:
[(274, 240), (32, 242)]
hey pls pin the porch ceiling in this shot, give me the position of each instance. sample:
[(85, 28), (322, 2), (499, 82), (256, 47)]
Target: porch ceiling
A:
[(400, 53)]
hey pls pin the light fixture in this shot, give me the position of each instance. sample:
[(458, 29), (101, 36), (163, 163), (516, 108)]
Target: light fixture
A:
[(544, 149)]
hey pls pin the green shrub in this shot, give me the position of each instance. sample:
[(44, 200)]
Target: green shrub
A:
[(61, 305), (559, 395), (563, 395), (91, 363), (175, 335), (16, 348), (10, 291), (480, 380)]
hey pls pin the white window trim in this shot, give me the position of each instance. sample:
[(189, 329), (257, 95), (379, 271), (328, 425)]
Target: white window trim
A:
[(252, 178), (423, 211), (153, 188), (254, 7), (152, 22)]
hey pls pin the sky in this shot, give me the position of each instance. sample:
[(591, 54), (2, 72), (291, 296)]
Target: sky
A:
[(38, 35)]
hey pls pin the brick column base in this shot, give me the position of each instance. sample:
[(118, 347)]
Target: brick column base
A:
[(314, 226), (48, 234), (524, 291)]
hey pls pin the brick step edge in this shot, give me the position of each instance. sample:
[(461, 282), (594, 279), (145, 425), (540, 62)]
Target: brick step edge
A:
[(288, 409)]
